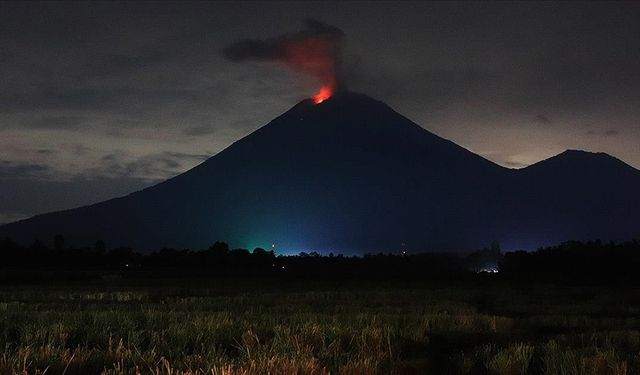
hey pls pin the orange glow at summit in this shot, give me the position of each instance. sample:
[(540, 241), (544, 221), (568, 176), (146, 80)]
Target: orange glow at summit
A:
[(324, 94)]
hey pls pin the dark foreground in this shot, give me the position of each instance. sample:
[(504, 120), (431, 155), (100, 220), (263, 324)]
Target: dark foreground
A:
[(118, 325)]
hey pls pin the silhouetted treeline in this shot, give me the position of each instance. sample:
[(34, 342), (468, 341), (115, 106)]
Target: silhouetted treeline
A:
[(220, 260), (591, 262), (218, 257), (570, 262)]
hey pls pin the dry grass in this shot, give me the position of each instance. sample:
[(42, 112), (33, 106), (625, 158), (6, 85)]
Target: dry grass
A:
[(325, 329)]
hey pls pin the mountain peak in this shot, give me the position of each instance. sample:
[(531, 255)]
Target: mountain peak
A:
[(342, 100), (354, 123), (577, 161), (575, 153), (345, 113), (349, 97), (589, 157)]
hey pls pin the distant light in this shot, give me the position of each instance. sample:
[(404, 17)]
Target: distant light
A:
[(493, 269)]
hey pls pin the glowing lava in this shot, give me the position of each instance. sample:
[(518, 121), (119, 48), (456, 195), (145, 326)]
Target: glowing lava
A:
[(324, 94)]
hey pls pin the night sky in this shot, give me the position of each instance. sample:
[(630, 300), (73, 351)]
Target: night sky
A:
[(98, 100)]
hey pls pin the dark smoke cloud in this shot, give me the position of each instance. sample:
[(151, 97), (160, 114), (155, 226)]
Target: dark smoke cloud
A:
[(542, 119), (316, 50)]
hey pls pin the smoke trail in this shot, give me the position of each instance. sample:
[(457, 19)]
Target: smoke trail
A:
[(316, 50)]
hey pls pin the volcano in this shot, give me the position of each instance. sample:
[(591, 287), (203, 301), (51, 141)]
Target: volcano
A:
[(351, 175)]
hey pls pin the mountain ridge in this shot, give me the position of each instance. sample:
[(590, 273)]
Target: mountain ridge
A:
[(347, 175)]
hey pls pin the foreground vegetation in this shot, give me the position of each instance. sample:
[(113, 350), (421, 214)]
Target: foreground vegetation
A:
[(283, 326)]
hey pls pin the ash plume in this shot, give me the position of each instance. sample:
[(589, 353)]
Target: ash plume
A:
[(316, 51)]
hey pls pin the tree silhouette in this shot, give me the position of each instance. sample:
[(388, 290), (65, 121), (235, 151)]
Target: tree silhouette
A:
[(219, 249), (58, 242)]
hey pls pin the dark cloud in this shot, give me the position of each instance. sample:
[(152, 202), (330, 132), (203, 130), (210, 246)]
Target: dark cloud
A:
[(119, 63), (116, 133), (199, 130), (79, 149), (11, 170), (611, 132), (150, 167), (430, 88), (606, 133), (100, 98), (542, 119), (56, 122)]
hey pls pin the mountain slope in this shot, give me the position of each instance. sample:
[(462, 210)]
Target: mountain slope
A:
[(348, 175), (574, 195)]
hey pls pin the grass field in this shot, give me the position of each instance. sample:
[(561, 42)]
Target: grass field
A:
[(283, 327)]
